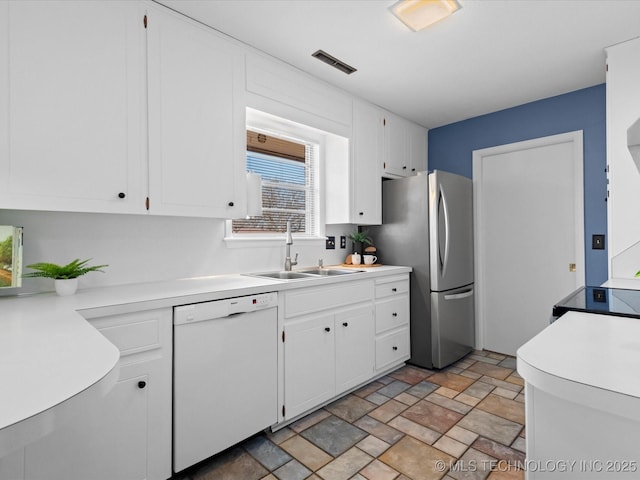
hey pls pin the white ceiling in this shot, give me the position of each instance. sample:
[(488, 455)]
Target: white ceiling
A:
[(490, 55)]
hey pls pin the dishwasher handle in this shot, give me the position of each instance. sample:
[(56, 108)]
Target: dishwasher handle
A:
[(217, 309)]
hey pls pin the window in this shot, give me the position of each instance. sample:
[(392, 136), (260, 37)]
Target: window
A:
[(288, 167)]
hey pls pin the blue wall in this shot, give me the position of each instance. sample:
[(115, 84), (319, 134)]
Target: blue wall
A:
[(451, 147)]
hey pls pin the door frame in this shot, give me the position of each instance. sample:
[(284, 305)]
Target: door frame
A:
[(576, 138)]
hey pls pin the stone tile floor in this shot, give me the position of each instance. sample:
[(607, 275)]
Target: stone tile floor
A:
[(464, 422)]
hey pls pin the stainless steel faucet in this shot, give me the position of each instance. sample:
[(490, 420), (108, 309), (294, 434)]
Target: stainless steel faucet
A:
[(288, 263)]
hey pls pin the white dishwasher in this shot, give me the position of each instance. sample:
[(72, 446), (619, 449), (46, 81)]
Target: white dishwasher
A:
[(224, 374)]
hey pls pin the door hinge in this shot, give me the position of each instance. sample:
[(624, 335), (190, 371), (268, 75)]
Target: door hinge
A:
[(282, 336), (283, 411), (146, 203)]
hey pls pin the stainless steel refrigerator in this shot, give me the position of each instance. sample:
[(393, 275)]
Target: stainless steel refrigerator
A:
[(428, 225)]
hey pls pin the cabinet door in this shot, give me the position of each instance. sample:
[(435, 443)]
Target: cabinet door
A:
[(196, 120), (309, 363), (396, 148), (392, 349), (101, 443), (417, 149), (127, 435), (354, 347), (367, 158), (70, 135)]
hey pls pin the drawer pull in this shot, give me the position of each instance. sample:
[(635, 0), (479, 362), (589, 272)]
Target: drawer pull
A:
[(394, 314), (122, 195), (230, 204), (345, 324), (394, 289), (142, 384), (395, 348), (327, 329)]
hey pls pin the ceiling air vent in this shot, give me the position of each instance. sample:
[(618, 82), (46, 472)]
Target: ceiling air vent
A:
[(334, 62)]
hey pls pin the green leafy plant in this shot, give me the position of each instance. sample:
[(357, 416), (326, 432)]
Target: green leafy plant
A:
[(360, 237), (638, 273), (63, 272)]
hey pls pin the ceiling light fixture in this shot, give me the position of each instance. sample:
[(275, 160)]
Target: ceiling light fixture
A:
[(419, 14)]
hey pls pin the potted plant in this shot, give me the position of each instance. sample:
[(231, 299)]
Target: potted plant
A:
[(65, 276), (359, 238), (638, 273)]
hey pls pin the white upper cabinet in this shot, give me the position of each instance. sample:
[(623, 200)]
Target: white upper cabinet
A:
[(367, 154), (417, 149), (71, 126), (405, 147), (196, 120), (354, 184)]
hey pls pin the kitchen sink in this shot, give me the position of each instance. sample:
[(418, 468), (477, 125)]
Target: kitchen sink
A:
[(330, 271), (282, 275), (304, 274)]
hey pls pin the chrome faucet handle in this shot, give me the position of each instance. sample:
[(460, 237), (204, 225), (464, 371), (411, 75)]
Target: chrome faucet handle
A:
[(295, 260)]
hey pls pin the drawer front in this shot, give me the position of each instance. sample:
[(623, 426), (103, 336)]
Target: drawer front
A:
[(394, 287), (316, 299), (135, 332), (392, 348), (392, 313)]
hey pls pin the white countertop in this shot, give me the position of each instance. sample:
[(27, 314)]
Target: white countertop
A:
[(51, 358), (628, 283), (586, 357)]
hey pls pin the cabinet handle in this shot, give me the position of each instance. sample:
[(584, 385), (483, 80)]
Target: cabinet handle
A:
[(327, 329), (142, 384), (361, 213), (122, 195), (345, 324), (394, 289), (395, 348), (413, 169), (231, 204), (394, 314), (404, 167)]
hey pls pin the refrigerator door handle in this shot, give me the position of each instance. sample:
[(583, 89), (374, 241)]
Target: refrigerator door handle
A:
[(444, 237), (458, 296)]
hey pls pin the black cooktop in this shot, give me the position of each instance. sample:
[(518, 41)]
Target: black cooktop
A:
[(607, 301)]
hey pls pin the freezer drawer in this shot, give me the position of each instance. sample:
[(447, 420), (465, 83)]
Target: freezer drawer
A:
[(452, 325)]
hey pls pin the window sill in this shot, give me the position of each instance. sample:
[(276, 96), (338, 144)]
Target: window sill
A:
[(258, 241)]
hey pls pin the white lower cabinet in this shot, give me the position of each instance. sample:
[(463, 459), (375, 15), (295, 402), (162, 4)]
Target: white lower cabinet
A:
[(127, 435), (354, 349), (309, 366), (329, 351), (338, 337), (392, 321)]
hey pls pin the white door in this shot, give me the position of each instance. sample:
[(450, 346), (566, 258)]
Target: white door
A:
[(529, 236)]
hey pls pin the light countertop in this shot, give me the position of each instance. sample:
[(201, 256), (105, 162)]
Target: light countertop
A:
[(585, 357), (51, 357)]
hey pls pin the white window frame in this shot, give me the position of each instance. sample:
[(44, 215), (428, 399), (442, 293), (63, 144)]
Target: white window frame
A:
[(285, 128)]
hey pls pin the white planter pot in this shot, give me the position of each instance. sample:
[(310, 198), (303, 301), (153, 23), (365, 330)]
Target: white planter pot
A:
[(66, 287)]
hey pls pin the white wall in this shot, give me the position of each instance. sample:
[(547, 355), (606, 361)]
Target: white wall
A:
[(141, 248)]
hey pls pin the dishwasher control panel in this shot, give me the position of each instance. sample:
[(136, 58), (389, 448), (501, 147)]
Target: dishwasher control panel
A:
[(199, 312)]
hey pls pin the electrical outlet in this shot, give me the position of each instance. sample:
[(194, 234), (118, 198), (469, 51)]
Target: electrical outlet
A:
[(597, 242), (331, 243), (343, 241)]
